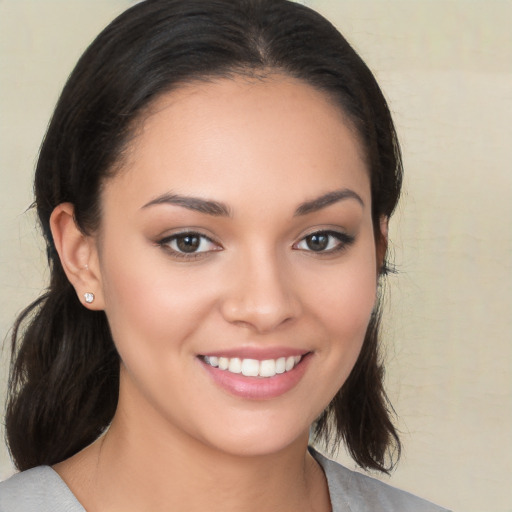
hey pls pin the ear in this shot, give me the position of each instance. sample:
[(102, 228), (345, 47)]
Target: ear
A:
[(381, 242), (78, 255)]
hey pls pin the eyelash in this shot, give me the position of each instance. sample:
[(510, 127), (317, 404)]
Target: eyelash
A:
[(166, 242), (343, 241)]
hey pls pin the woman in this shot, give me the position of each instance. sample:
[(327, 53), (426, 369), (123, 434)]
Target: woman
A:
[(214, 188)]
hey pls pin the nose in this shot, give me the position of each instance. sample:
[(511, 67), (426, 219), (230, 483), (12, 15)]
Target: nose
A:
[(261, 295)]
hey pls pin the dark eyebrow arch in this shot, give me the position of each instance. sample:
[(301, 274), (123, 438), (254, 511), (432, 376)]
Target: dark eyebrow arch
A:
[(192, 203), (326, 200)]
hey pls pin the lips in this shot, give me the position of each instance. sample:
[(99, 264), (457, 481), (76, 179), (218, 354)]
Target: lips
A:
[(256, 375)]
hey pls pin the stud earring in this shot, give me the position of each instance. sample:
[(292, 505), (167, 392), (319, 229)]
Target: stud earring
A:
[(89, 297)]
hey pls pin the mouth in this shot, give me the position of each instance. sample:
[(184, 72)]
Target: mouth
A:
[(256, 379), (266, 368)]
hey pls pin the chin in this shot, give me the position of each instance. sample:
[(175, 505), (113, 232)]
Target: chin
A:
[(257, 436), (261, 446)]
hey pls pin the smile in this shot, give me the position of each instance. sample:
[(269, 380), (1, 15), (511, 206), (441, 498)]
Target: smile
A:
[(253, 367)]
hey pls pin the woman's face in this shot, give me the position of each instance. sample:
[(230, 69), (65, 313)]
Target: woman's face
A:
[(237, 237)]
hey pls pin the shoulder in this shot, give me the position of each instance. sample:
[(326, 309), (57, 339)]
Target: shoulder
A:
[(39, 489), (355, 492)]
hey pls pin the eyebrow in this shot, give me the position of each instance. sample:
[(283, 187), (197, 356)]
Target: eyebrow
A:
[(326, 200), (219, 209), (192, 203)]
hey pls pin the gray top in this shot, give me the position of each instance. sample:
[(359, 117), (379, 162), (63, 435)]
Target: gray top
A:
[(42, 490)]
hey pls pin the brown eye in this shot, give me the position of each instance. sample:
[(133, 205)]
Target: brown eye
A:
[(325, 242), (317, 242), (188, 243)]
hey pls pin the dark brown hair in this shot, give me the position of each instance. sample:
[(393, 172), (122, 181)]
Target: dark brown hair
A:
[(64, 376)]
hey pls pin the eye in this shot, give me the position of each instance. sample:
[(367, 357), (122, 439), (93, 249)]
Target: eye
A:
[(189, 244), (324, 242)]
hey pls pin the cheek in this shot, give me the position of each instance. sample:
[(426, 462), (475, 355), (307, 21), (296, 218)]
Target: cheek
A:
[(343, 305), (344, 299), (354, 303), (148, 306)]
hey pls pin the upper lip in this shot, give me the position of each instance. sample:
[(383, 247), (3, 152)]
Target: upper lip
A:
[(258, 353)]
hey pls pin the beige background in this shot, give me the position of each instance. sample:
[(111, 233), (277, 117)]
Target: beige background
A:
[(446, 67)]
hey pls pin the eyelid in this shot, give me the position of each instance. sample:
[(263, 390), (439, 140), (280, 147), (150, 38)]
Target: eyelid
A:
[(165, 241), (344, 239)]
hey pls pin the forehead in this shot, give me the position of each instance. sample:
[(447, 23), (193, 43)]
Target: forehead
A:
[(277, 136)]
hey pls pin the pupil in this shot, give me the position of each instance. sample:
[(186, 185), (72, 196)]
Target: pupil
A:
[(317, 242), (188, 243)]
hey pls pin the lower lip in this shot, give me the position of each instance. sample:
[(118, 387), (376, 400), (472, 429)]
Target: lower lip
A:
[(258, 388)]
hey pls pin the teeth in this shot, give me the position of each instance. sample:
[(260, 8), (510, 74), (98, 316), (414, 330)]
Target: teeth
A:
[(281, 365), (267, 368), (235, 365), (250, 367), (253, 367)]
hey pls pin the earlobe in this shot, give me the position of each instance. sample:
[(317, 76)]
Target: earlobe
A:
[(78, 255)]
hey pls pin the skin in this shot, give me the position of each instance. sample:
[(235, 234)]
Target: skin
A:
[(178, 440)]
